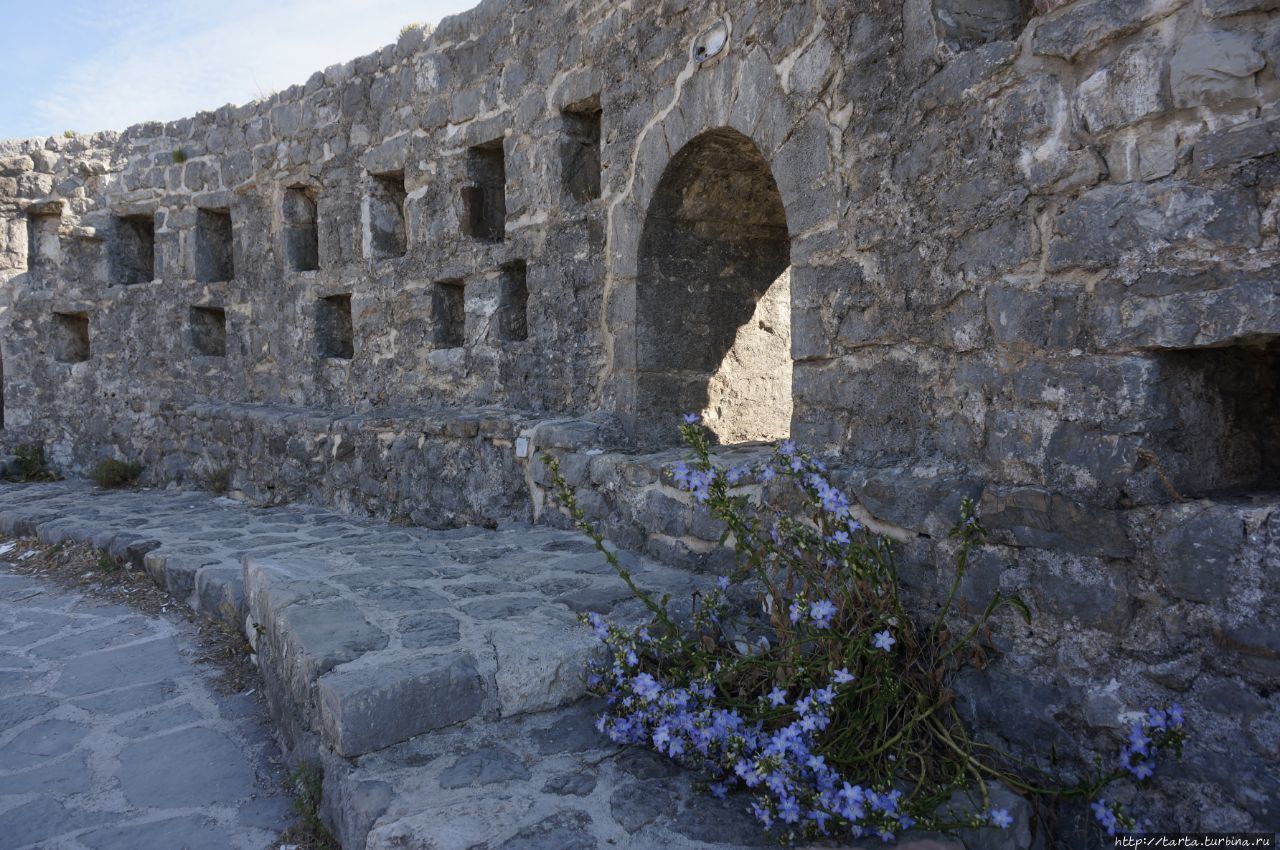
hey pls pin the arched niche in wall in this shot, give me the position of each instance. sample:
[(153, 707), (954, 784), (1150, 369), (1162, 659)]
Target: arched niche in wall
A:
[(735, 104), (713, 301)]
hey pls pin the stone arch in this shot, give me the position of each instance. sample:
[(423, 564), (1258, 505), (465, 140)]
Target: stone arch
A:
[(742, 93), (713, 305)]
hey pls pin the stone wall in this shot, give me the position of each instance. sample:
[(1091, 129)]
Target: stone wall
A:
[(1031, 251)]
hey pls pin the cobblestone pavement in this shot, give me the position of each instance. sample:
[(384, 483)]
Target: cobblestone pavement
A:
[(112, 738)]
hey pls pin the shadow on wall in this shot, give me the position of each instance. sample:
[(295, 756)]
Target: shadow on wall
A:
[(713, 328)]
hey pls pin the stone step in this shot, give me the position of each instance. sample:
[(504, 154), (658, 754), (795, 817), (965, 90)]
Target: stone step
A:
[(367, 633)]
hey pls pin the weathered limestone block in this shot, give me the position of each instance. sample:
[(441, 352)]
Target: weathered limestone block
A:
[(970, 22), (1107, 223), (1091, 24), (1126, 90), (1143, 153), (1037, 518), (1211, 68), (368, 707), (1236, 144), (1184, 310), (1197, 549), (1225, 8)]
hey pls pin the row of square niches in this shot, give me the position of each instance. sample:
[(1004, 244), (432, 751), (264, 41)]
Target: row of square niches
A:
[(335, 333), (483, 211)]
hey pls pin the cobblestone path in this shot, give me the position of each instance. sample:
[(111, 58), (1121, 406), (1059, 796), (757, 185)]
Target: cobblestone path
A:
[(112, 738)]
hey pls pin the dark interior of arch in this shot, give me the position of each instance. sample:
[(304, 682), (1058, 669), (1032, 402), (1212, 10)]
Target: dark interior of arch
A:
[(714, 245)]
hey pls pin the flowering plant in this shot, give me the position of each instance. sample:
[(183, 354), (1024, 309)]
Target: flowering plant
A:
[(831, 706)]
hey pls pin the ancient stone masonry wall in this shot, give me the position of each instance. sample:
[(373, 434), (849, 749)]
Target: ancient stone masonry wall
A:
[(1031, 252)]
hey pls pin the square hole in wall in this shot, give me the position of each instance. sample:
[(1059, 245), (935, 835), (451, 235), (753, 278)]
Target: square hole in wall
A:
[(580, 151), (44, 243), (334, 333), (449, 314), (1223, 425), (301, 232), (513, 303), (215, 255), (132, 252), (70, 337), (484, 198), (388, 235), (209, 331)]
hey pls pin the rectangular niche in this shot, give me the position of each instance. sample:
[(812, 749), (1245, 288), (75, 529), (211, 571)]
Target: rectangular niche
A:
[(209, 331), (449, 314), (484, 198), (334, 333), (215, 255), (301, 233), (388, 235), (70, 337), (133, 250), (44, 245), (1223, 423), (513, 303), (580, 151)]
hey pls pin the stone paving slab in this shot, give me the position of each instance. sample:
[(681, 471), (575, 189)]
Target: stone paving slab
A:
[(114, 739)]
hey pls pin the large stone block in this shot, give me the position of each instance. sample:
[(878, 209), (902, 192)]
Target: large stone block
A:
[(1040, 519), (369, 707), (1211, 68), (1226, 8), (1127, 89), (1171, 310), (1089, 25), (1237, 144), (970, 22), (1110, 222), (1198, 549)]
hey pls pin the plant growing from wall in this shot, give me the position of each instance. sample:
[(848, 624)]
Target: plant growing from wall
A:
[(831, 705), (111, 474), (30, 465)]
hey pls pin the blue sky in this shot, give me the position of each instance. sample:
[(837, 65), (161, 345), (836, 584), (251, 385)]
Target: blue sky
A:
[(91, 65)]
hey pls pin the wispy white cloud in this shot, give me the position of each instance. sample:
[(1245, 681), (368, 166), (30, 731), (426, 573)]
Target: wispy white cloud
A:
[(155, 61)]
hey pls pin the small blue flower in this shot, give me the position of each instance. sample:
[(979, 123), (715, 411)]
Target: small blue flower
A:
[(1104, 815), (691, 418), (825, 695), (1156, 718), (796, 611), (1143, 770), (999, 818), (1138, 740), (843, 676), (646, 686), (598, 625), (718, 790), (722, 582), (884, 640), (777, 697), (1175, 716), (821, 612)]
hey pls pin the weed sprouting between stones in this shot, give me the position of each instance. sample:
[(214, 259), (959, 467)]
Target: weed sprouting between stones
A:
[(30, 464), (218, 479), (306, 783), (831, 706), (111, 474)]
